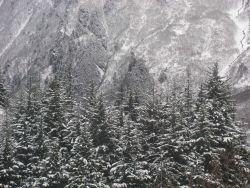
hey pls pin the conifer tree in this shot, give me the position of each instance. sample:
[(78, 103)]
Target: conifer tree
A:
[(51, 172), (217, 137), (132, 169), (8, 176), (174, 147), (225, 134), (131, 106), (34, 122), (23, 153), (54, 119), (119, 106), (3, 93), (188, 102), (54, 129), (80, 163)]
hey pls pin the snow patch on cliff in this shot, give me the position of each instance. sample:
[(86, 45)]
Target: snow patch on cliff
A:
[(240, 18), (243, 82), (46, 73), (101, 72), (47, 1), (1, 112), (1, 2), (16, 34)]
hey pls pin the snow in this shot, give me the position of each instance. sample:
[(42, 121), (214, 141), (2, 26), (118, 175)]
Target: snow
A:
[(15, 35), (101, 72), (119, 185), (248, 137), (1, 112), (50, 2), (181, 28), (188, 3), (138, 22), (46, 73), (1, 116), (206, 54), (105, 24), (241, 20), (227, 139), (1, 2), (47, 1), (243, 82), (146, 4)]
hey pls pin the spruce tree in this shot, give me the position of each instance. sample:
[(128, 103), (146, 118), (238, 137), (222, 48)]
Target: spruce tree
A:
[(23, 153), (225, 134), (80, 167), (8, 176), (3, 93), (54, 117), (218, 137), (55, 130)]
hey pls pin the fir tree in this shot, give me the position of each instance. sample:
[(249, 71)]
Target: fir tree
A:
[(80, 162), (54, 119), (8, 176), (3, 93), (217, 137), (23, 153)]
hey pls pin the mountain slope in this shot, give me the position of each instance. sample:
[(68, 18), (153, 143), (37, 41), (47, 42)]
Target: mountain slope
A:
[(109, 41)]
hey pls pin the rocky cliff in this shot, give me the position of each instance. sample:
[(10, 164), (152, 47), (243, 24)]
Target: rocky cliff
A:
[(139, 43)]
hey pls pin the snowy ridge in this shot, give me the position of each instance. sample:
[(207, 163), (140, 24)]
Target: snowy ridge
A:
[(15, 36)]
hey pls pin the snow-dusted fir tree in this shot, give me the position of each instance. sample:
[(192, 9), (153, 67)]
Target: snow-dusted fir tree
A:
[(188, 102), (218, 141), (200, 135), (54, 129), (131, 170), (54, 119), (52, 176), (23, 153), (3, 92), (79, 165), (225, 134), (8, 176)]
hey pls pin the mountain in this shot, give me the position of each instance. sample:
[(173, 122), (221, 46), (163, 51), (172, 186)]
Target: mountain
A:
[(139, 43), (238, 71)]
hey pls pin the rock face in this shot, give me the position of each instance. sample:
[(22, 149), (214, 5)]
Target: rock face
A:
[(139, 43), (239, 70)]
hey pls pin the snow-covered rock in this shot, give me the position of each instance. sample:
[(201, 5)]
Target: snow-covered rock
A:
[(167, 34)]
